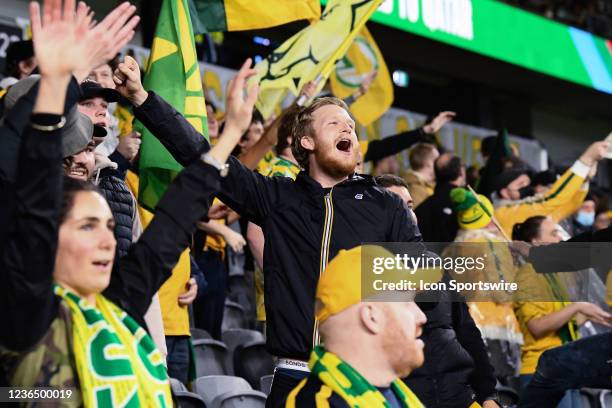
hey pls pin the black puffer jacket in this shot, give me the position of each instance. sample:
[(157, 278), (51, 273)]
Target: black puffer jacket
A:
[(121, 202), (456, 371)]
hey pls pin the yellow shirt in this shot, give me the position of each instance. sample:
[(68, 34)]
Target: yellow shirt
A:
[(176, 317), (214, 241), (538, 288), (533, 348), (559, 202)]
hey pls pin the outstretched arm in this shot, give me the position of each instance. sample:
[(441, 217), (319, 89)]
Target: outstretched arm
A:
[(243, 190), (379, 149), (61, 45), (150, 260)]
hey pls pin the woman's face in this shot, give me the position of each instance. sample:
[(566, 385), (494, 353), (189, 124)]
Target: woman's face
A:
[(86, 246), (549, 234)]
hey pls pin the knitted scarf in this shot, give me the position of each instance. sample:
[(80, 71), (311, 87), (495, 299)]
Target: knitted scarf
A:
[(117, 361), (352, 387)]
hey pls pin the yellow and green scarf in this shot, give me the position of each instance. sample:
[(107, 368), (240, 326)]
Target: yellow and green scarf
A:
[(345, 381), (117, 362)]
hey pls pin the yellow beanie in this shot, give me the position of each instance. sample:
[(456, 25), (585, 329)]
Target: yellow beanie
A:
[(470, 213), (340, 285)]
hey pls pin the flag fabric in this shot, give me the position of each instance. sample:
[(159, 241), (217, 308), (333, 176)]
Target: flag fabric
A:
[(237, 15), (312, 52), (363, 57), (173, 73)]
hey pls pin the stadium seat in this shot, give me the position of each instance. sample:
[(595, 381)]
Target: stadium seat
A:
[(199, 334), (176, 385), (186, 399), (240, 399), (235, 337), (227, 391), (508, 397), (252, 361), (503, 357), (210, 357), (265, 383), (233, 316), (605, 398), (241, 292)]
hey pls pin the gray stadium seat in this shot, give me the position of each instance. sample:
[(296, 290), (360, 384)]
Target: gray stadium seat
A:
[(233, 316), (197, 334), (265, 383), (252, 361), (605, 398), (508, 397), (210, 357), (176, 385), (186, 399), (211, 387), (235, 337), (240, 399)]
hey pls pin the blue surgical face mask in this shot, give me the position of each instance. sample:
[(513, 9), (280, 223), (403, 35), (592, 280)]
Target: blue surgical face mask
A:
[(586, 219)]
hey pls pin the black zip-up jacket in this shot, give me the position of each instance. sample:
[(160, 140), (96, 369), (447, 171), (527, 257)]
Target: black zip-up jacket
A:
[(456, 361), (304, 225)]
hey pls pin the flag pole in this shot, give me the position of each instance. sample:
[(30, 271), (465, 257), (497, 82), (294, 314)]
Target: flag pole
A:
[(492, 216)]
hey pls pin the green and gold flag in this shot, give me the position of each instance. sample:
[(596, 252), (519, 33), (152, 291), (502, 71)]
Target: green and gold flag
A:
[(174, 74), (363, 57), (238, 15), (312, 52)]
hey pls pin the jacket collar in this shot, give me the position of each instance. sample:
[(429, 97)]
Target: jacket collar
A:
[(313, 186)]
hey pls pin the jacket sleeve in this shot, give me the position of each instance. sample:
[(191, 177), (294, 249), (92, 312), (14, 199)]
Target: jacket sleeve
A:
[(249, 193), (388, 146), (182, 140), (482, 379), (26, 274), (557, 202), (246, 192), (149, 262)]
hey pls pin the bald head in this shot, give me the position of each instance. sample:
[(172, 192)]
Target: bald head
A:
[(387, 334)]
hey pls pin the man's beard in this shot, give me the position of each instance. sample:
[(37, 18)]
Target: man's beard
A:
[(403, 353), (334, 166)]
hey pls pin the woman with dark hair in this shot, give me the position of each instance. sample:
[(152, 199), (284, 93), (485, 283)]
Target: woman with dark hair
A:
[(546, 317), (72, 318)]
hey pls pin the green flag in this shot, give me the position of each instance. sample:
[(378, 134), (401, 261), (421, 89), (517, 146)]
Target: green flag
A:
[(174, 74)]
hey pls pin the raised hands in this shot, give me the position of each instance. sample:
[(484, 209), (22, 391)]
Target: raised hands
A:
[(438, 122), (239, 109), (67, 41), (238, 112), (127, 80), (56, 36)]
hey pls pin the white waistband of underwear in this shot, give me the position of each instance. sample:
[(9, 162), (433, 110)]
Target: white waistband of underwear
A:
[(291, 364)]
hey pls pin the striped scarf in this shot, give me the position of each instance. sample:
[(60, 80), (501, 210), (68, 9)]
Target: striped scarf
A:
[(117, 361), (352, 387)]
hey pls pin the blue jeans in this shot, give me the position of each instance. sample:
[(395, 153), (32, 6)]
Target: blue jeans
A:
[(178, 357), (571, 398), (582, 363)]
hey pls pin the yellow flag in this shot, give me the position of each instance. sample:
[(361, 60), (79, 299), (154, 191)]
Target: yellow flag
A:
[(363, 57), (312, 52), (238, 15)]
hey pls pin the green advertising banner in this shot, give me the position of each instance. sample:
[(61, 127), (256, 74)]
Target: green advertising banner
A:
[(500, 31)]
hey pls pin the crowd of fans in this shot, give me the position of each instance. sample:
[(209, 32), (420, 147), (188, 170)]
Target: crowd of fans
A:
[(594, 16), (269, 218)]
